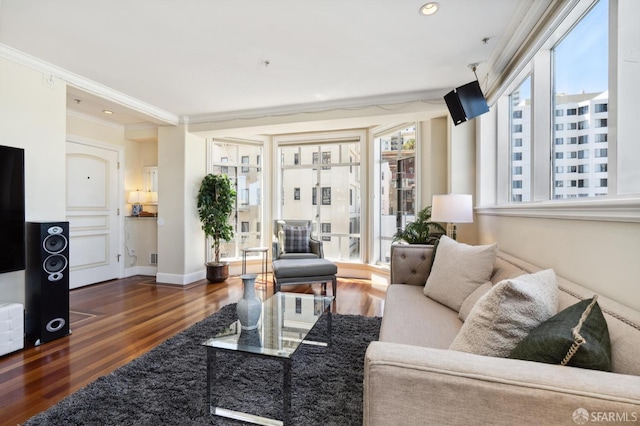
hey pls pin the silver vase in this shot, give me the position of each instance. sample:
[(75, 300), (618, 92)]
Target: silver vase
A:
[(249, 307)]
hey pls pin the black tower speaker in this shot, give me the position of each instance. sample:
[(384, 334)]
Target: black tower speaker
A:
[(47, 281)]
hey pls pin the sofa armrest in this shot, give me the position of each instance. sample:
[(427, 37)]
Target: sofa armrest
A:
[(316, 247), (410, 263), (421, 386)]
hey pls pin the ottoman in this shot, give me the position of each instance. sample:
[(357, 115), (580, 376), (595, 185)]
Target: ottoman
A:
[(304, 271), (11, 327)]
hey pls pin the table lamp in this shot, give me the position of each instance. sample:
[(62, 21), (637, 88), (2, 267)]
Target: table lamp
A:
[(452, 209), (136, 198)]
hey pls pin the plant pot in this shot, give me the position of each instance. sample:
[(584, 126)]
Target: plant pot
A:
[(217, 272)]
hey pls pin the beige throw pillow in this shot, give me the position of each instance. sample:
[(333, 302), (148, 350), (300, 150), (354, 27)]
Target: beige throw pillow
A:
[(507, 313), (473, 298), (458, 270)]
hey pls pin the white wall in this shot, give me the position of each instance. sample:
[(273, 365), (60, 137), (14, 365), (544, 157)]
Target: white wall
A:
[(181, 242), (32, 116)]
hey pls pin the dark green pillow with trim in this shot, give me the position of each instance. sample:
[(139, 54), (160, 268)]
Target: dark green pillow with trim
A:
[(577, 336)]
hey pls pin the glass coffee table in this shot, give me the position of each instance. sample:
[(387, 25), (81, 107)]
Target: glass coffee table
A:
[(285, 321)]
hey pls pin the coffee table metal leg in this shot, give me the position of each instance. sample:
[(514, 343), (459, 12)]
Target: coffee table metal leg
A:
[(211, 379), (286, 395)]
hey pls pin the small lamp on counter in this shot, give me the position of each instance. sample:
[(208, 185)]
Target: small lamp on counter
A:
[(136, 198)]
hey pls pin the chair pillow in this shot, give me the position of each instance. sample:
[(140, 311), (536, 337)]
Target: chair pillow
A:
[(296, 239), (578, 336), (507, 313), (458, 269)]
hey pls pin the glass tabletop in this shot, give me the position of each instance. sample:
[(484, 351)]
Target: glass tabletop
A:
[(284, 323)]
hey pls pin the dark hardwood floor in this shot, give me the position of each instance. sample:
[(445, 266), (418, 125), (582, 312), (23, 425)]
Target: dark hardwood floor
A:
[(117, 321)]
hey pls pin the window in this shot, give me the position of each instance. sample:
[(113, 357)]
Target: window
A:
[(559, 169), (517, 142), (602, 183), (234, 160), (559, 184), (517, 156), (560, 126), (517, 170), (601, 167), (326, 196), (395, 163), (326, 229), (323, 187), (601, 152), (517, 114), (584, 47), (517, 128), (601, 107), (559, 113), (559, 141), (517, 184)]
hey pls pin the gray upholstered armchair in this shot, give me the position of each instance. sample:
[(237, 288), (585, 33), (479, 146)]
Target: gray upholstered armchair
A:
[(292, 239)]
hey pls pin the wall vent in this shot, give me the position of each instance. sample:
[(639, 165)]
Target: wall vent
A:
[(153, 258)]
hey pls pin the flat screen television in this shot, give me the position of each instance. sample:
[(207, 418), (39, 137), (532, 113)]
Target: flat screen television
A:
[(466, 102), (12, 243)]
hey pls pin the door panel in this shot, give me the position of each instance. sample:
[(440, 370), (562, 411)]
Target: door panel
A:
[(92, 212)]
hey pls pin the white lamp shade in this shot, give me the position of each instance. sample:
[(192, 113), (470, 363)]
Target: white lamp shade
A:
[(137, 197), (152, 197), (452, 208)]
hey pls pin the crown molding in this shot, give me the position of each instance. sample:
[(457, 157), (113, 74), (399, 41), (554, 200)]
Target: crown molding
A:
[(157, 114), (389, 101)]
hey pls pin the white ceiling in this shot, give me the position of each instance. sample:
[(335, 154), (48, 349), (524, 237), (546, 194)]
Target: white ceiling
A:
[(197, 58)]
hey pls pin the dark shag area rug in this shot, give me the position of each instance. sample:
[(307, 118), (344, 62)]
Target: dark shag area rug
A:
[(168, 385)]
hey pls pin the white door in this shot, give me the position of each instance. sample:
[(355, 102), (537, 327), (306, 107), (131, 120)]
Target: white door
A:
[(92, 212)]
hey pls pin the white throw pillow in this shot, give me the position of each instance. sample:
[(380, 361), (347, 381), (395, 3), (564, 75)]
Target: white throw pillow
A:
[(458, 269), (507, 313)]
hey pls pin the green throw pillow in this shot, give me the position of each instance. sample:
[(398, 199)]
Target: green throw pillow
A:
[(559, 340)]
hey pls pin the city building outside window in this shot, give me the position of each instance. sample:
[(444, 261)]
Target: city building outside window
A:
[(395, 150), (234, 160), (330, 194), (580, 81)]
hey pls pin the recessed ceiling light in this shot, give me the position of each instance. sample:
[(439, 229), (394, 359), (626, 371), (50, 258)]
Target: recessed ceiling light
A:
[(429, 8), (106, 111)]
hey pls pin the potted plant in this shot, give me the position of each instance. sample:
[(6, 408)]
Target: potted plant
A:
[(422, 230), (216, 199)]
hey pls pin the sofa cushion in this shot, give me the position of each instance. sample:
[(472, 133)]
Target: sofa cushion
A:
[(473, 298), (458, 269), (296, 239), (577, 336), (507, 313), (412, 319)]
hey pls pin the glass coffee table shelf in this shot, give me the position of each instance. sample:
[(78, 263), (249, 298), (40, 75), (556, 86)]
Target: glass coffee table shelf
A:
[(285, 322)]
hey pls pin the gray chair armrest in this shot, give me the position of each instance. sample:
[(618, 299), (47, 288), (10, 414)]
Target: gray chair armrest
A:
[(316, 247), (275, 249)]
